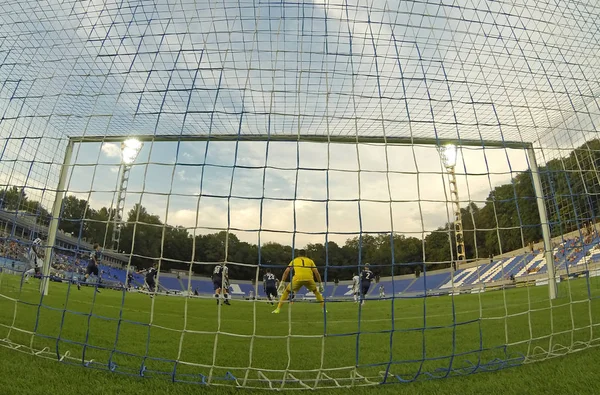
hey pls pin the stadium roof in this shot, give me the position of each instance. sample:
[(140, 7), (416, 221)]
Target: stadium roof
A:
[(502, 70)]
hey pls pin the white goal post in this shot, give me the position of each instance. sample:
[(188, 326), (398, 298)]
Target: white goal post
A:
[(528, 147)]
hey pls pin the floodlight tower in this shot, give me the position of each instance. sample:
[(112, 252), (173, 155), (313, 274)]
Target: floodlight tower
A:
[(448, 153), (130, 149)]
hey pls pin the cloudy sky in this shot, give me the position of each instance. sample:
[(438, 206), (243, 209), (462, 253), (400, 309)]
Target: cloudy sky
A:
[(268, 192), (479, 70)]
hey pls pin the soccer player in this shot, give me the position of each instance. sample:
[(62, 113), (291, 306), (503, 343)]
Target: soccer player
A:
[(35, 259), (304, 271), (366, 276), (381, 292), (129, 280), (150, 279), (355, 287), (92, 267), (220, 280), (270, 284)]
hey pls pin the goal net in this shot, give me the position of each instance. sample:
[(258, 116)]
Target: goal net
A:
[(162, 164)]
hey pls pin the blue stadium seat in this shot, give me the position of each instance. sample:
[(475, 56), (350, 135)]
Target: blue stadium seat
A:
[(400, 285), (203, 286), (170, 283), (508, 266), (428, 282), (342, 290)]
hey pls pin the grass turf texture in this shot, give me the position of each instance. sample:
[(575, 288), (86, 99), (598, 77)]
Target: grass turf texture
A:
[(22, 374), (456, 335)]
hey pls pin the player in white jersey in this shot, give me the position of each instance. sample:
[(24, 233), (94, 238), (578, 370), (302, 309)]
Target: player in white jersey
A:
[(355, 287), (36, 260), (381, 292), (220, 280)]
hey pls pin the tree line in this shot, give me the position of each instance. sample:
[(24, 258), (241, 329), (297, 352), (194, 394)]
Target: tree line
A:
[(508, 220)]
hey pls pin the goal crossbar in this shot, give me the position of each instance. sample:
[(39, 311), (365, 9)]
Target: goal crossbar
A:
[(394, 140)]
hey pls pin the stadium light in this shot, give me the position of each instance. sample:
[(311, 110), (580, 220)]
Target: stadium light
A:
[(130, 149), (448, 154)]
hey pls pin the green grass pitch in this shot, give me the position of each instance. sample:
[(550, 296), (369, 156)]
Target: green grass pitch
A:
[(436, 336)]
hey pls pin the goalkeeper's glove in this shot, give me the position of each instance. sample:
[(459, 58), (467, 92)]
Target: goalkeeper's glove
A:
[(321, 289), (281, 288)]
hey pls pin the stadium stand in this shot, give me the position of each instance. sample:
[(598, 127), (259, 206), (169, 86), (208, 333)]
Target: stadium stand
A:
[(571, 255)]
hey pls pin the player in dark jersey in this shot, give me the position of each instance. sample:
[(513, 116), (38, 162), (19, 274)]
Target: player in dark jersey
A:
[(220, 280), (129, 280), (270, 285), (366, 276), (93, 265), (151, 274)]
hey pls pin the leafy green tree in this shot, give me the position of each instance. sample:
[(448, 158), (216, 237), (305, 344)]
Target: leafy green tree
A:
[(142, 236), (273, 253), (99, 226), (438, 247), (12, 199), (73, 216), (178, 247), (42, 216)]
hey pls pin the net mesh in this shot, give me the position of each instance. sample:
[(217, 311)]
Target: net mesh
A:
[(268, 128)]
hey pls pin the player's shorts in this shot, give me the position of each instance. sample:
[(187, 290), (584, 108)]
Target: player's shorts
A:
[(36, 265), (217, 283), (92, 269), (151, 284), (355, 290), (271, 292), (364, 287), (297, 284)]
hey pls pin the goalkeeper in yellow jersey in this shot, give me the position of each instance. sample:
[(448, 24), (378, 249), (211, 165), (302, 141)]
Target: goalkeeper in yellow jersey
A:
[(304, 272)]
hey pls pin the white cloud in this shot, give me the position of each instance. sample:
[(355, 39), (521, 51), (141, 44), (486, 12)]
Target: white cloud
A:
[(184, 217), (111, 150)]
